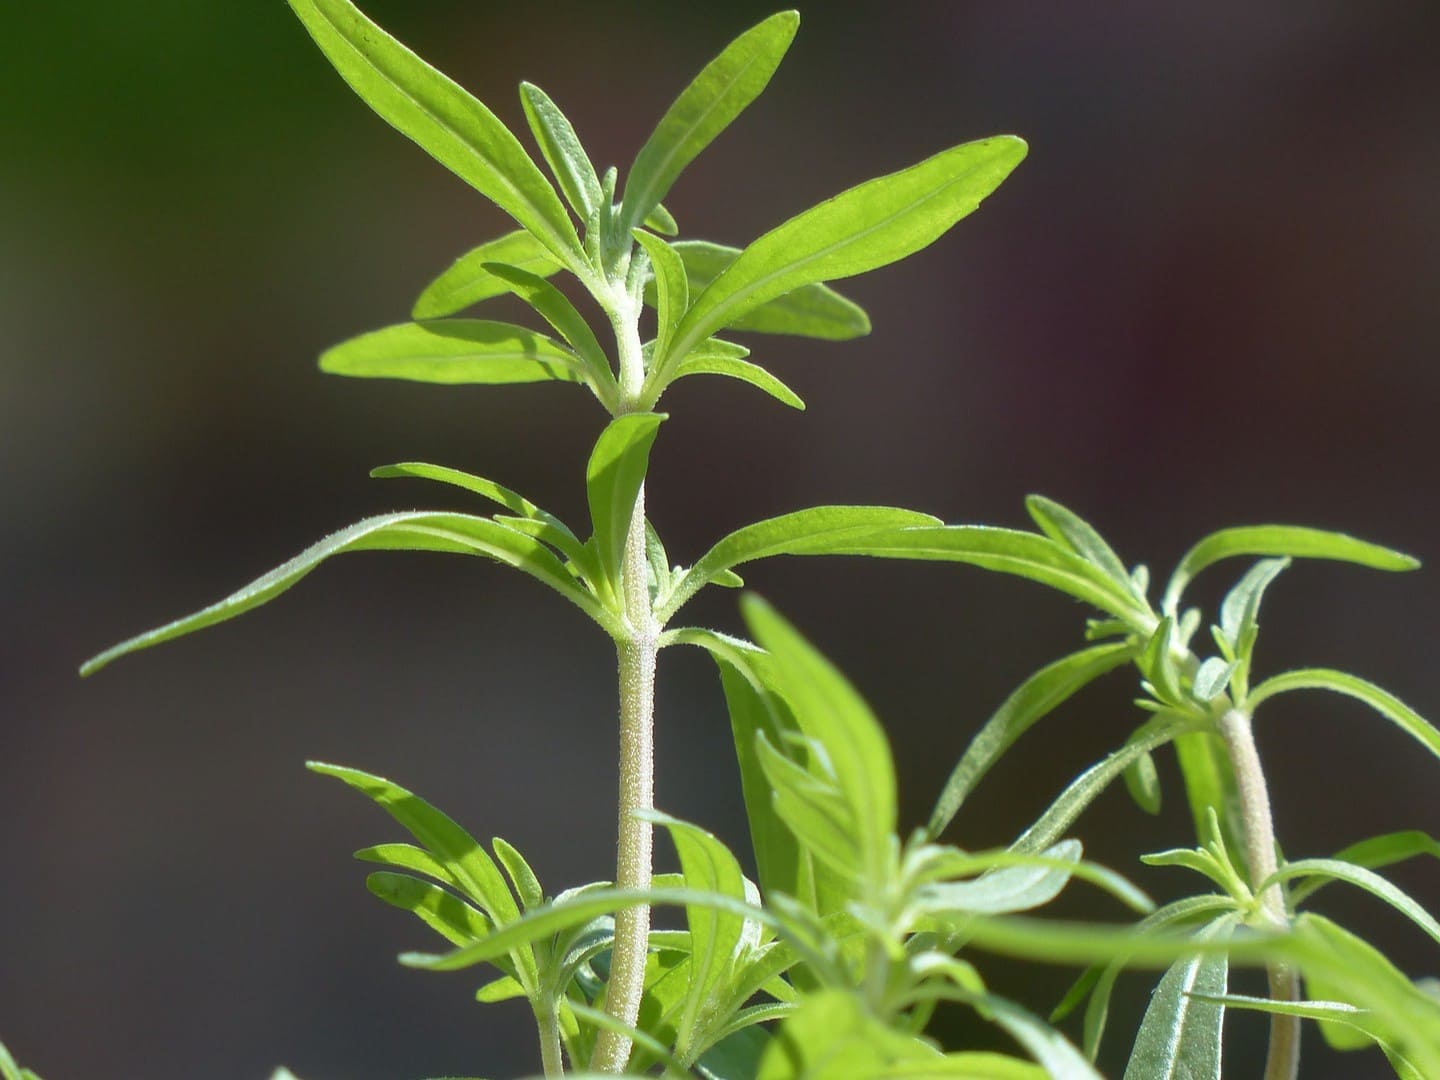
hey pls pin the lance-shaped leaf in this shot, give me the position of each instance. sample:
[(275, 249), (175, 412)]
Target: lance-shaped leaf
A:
[(1066, 527), (715, 936), (1373, 853), (818, 813), (444, 119), (526, 884), (454, 351), (562, 150), (1179, 1038), (705, 108), (872, 225), (1361, 878), (1279, 541), (940, 864), (1006, 890), (672, 289), (819, 530), (555, 308), (1383, 702), (467, 281), (661, 221), (408, 857), (613, 479), (414, 531), (701, 362), (1345, 1027), (831, 713), (815, 311), (1036, 697), (449, 916)]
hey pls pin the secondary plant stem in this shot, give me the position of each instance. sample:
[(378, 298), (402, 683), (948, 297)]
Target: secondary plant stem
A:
[(1283, 1060), (550, 1056), (637, 744)]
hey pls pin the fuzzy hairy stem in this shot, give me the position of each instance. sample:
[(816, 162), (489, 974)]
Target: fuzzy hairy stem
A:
[(1283, 1060), (636, 654), (551, 1058)]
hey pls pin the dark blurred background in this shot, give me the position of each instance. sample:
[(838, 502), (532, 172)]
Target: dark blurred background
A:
[(1208, 297)]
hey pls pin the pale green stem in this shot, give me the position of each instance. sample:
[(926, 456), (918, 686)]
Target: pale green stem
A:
[(636, 653), (550, 1056), (1283, 1059)]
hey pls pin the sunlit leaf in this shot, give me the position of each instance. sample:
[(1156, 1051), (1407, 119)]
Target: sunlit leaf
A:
[(672, 290), (408, 857), (1372, 854), (467, 281), (1279, 541), (415, 531), (705, 108), (447, 915), (1383, 702), (613, 479), (701, 363), (1036, 697), (1361, 878), (869, 226), (454, 352), (445, 120), (555, 308), (527, 885), (1066, 527), (561, 148)]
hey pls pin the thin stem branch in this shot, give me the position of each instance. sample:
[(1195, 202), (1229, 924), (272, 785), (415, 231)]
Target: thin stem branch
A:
[(551, 1058), (1283, 1060)]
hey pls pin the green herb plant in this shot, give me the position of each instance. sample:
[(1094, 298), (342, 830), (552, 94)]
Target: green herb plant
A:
[(831, 963)]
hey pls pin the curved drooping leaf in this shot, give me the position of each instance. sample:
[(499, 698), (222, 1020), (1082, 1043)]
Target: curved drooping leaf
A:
[(561, 148), (1179, 1038), (467, 281), (1373, 853), (814, 311), (1037, 696), (555, 308), (705, 108), (1279, 541), (701, 363), (413, 531), (1361, 878), (1359, 1023), (454, 352), (1382, 701), (444, 119), (869, 226), (817, 531), (613, 479), (1010, 876)]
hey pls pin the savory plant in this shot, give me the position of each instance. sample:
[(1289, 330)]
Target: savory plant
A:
[(831, 963)]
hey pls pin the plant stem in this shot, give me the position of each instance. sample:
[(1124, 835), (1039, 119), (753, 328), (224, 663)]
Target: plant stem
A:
[(636, 654), (1283, 1059), (550, 1056)]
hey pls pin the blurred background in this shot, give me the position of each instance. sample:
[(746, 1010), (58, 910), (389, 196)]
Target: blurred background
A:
[(1207, 298)]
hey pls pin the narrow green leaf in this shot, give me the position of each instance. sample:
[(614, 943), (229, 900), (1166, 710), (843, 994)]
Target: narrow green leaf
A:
[(712, 364), (1383, 702), (449, 916), (1006, 890), (502, 989), (527, 885), (1142, 781), (814, 311), (1241, 606), (408, 857), (816, 810), (705, 108), (454, 352), (415, 531), (715, 936), (467, 281), (1361, 878), (1158, 663), (613, 479), (555, 308), (1086, 787), (1037, 697), (869, 226), (1066, 527), (1279, 541), (661, 221), (1179, 1038), (672, 290), (1332, 1016), (804, 532), (1212, 678), (829, 711), (439, 115), (561, 147), (1372, 854), (9, 1070)]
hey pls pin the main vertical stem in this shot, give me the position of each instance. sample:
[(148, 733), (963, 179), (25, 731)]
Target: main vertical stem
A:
[(636, 654), (1283, 1060)]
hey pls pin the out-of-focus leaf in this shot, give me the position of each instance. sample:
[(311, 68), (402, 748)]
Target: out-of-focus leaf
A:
[(1383, 702), (417, 531), (1002, 891), (869, 226), (455, 352), (445, 120), (1279, 541), (467, 281), (705, 108), (1037, 696), (1180, 1035), (1142, 781)]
